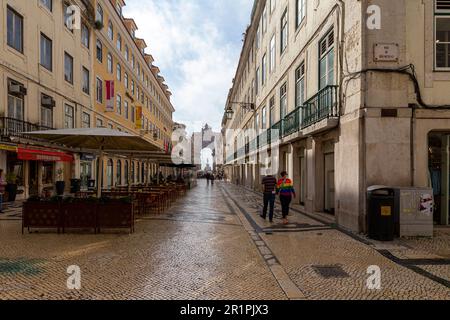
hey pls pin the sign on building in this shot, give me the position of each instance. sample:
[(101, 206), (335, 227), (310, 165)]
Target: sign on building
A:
[(386, 52)]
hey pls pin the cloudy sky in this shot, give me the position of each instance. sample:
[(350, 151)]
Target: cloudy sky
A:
[(196, 44)]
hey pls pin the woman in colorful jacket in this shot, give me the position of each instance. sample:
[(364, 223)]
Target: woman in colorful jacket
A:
[(285, 188)]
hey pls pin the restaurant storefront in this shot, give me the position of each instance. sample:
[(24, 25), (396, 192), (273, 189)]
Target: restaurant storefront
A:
[(34, 169)]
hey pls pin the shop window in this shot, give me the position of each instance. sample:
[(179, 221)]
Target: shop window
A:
[(47, 172)]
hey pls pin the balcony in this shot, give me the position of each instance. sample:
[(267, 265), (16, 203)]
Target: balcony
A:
[(291, 123), (321, 112), (10, 127)]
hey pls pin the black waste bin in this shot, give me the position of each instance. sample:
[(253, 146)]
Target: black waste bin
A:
[(75, 185), (381, 213)]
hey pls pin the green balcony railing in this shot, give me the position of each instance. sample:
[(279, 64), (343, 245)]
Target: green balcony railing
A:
[(277, 131), (321, 106), (291, 122)]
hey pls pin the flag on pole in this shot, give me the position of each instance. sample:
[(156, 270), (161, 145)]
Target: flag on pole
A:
[(109, 96), (139, 118)]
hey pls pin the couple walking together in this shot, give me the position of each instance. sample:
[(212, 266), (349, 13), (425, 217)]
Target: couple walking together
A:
[(284, 187)]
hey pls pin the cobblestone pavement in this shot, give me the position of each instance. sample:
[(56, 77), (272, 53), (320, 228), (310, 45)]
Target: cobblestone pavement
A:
[(212, 245)]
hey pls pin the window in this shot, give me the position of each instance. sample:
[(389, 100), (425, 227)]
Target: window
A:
[(133, 61), (263, 70), (15, 30), (273, 53), (86, 120), (99, 90), (127, 53), (15, 107), (125, 80), (126, 171), (99, 123), (68, 117), (442, 41), (68, 67), (46, 112), (125, 106), (133, 114), (284, 31), (264, 20), (272, 111), (119, 43), (258, 37), (46, 53), (300, 12), (99, 14), (99, 51), (119, 173), (119, 104), (257, 81), (110, 63), (283, 101), (86, 81), (85, 35), (272, 5), (110, 31), (264, 118), (119, 72), (326, 63), (300, 86), (132, 87), (68, 17), (48, 4)]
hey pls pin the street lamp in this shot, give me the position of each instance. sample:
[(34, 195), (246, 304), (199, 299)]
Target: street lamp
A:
[(229, 113), (245, 105)]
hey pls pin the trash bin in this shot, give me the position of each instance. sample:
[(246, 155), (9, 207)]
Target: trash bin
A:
[(381, 213), (75, 185)]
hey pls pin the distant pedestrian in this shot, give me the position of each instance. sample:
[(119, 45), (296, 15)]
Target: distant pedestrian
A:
[(2, 189), (269, 183), (212, 177), (285, 188)]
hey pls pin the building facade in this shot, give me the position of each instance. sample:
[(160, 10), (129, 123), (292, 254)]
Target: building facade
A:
[(55, 73), (343, 95)]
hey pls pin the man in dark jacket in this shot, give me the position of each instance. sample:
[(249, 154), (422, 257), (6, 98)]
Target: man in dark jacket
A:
[(269, 183)]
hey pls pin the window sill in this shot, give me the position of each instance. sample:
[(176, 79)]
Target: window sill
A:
[(441, 75)]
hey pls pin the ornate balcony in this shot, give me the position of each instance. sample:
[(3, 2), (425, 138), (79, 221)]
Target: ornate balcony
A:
[(321, 112), (10, 127)]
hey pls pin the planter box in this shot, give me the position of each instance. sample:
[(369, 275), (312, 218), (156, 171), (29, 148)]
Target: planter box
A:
[(81, 215), (43, 215), (115, 215)]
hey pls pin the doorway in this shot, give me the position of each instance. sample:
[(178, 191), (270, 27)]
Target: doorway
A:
[(329, 183), (33, 176), (439, 175)]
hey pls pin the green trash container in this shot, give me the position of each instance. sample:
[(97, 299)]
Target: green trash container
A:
[(381, 213)]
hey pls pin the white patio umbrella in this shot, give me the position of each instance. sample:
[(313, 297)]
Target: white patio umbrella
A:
[(102, 139)]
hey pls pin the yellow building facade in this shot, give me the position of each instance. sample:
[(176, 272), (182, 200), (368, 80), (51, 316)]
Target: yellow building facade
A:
[(54, 76)]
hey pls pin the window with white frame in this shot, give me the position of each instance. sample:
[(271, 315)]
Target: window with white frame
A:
[(46, 52), (264, 118), (326, 60), (110, 63), (99, 14), (99, 51), (283, 101), (46, 112), (119, 72), (14, 29), (263, 69), (110, 31), (68, 67), (273, 4), (85, 35), (300, 13), (273, 53), (126, 109), (284, 31), (48, 4), (69, 117), (119, 42), (99, 89), (264, 20), (442, 35), (300, 86), (86, 81), (86, 120), (119, 104)]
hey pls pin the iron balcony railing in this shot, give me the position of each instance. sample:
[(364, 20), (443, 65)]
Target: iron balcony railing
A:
[(291, 122), (321, 106), (10, 127), (277, 131)]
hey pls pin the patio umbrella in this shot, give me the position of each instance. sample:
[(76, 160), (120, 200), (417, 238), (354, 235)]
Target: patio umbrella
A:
[(102, 139)]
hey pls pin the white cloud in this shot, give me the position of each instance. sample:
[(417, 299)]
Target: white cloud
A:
[(196, 44)]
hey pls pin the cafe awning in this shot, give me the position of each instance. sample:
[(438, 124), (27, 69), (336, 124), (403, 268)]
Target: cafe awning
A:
[(43, 155)]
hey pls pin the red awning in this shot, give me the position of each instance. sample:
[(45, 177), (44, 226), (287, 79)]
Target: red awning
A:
[(43, 155)]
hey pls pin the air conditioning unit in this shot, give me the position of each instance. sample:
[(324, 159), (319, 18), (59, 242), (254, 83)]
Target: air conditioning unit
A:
[(19, 89), (47, 101)]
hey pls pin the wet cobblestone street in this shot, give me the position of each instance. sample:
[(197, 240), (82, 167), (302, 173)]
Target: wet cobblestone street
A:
[(212, 245)]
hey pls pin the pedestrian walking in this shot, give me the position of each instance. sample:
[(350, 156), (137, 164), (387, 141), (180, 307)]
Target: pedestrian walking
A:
[(269, 183), (2, 189), (285, 188), (213, 177)]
